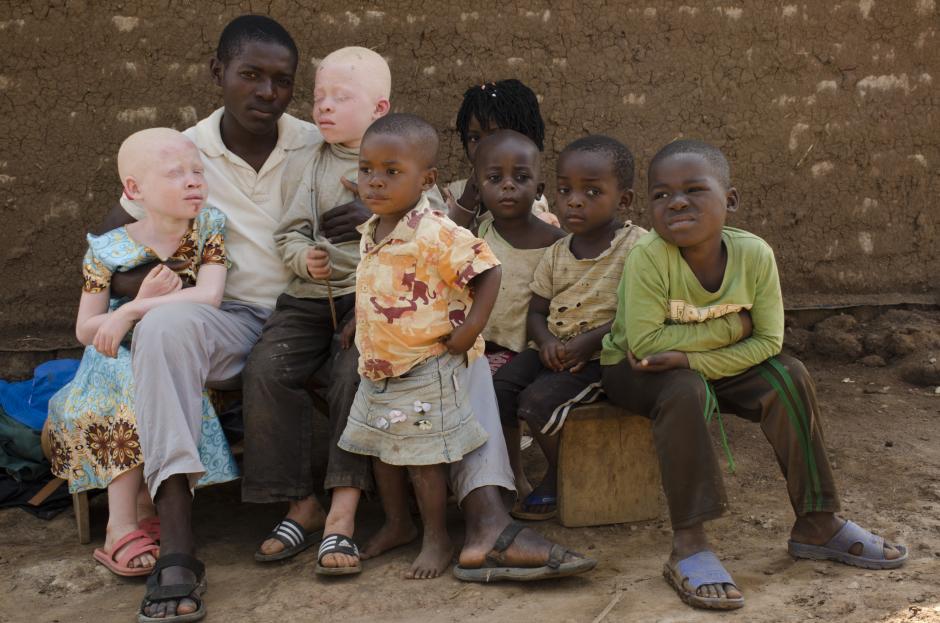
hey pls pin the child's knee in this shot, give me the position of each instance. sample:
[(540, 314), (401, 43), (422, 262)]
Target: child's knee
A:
[(796, 369), (683, 398)]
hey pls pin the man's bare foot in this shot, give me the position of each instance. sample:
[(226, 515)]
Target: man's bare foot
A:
[(528, 549), (307, 512), (689, 541), (819, 528), (436, 555), (389, 536), (113, 534)]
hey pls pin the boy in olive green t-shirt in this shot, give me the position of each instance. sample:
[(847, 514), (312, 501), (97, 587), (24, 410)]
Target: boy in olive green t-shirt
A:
[(700, 322)]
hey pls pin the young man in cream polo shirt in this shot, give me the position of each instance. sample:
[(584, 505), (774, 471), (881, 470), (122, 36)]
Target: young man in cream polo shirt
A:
[(254, 156)]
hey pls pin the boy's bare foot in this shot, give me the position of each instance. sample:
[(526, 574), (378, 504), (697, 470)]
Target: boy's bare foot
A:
[(113, 534), (389, 536), (819, 528), (307, 512), (436, 555)]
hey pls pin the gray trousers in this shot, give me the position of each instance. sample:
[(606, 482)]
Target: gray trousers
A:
[(176, 350)]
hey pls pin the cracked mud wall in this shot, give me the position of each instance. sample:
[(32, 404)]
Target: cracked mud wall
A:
[(828, 111)]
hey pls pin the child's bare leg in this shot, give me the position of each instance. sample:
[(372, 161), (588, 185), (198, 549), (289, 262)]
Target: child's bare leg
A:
[(342, 520), (399, 528), (145, 507), (549, 484), (122, 514), (307, 512), (430, 483), (513, 437)]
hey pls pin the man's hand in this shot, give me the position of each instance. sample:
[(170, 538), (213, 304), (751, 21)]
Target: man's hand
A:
[(318, 263), (577, 352), (460, 340), (159, 281), (111, 333), (339, 224), (746, 323), (470, 198), (660, 362), (552, 353)]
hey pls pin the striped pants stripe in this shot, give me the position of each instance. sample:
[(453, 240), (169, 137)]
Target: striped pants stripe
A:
[(778, 394)]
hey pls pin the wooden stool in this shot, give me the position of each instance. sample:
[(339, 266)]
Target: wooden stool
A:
[(79, 500), (608, 471)]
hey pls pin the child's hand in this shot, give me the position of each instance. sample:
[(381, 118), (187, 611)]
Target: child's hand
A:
[(460, 340), (348, 335), (111, 333), (318, 263), (470, 198), (660, 362), (549, 218), (578, 351), (552, 354), (159, 282)]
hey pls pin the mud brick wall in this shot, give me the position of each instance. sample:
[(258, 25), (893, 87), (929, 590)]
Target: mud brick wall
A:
[(829, 112)]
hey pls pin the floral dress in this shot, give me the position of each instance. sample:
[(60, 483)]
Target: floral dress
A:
[(93, 431)]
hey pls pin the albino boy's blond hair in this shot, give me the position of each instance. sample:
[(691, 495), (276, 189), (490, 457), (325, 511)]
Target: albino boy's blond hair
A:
[(139, 150), (376, 76)]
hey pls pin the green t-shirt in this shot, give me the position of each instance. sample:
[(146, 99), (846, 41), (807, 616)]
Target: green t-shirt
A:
[(662, 306)]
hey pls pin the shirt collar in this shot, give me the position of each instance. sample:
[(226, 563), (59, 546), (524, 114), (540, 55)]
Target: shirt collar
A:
[(291, 134), (404, 231)]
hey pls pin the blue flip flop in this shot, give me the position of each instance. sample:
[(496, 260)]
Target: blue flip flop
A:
[(519, 511), (701, 569), (837, 549)]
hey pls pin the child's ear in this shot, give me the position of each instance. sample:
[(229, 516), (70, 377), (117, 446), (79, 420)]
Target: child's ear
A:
[(430, 179), (539, 190), (216, 69), (733, 199), (381, 108), (131, 188), (626, 199)]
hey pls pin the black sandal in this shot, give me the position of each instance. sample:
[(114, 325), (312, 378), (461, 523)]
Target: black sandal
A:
[(338, 544), (192, 590), (494, 568)]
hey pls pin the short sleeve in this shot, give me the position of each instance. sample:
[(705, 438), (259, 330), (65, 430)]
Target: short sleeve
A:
[(96, 276), (542, 277), (212, 234), (464, 257)]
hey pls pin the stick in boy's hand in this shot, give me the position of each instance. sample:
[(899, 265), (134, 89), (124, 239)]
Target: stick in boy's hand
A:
[(339, 224), (318, 267)]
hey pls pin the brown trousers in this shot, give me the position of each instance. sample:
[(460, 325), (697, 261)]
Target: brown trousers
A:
[(279, 419), (777, 393)]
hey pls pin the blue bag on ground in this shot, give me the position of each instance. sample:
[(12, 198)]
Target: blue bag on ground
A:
[(27, 402)]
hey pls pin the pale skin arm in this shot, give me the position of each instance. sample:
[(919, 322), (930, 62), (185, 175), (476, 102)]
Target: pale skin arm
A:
[(210, 283)]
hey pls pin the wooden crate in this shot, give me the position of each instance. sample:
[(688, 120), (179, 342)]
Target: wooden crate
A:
[(608, 471)]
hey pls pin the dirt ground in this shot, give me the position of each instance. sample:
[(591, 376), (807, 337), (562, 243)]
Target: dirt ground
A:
[(883, 436)]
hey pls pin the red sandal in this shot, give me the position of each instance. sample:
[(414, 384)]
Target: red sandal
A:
[(138, 543)]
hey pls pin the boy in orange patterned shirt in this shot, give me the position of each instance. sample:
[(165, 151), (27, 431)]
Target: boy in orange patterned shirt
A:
[(425, 288)]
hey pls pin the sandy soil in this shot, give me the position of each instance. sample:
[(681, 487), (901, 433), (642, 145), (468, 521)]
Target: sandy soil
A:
[(883, 436)]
